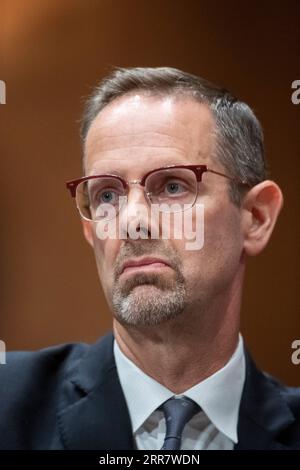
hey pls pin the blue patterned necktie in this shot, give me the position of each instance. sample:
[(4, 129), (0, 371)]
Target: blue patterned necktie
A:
[(177, 411)]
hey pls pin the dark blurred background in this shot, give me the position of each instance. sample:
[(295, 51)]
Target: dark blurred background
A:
[(52, 53)]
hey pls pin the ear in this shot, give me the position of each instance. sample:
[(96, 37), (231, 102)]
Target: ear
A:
[(88, 231), (260, 209)]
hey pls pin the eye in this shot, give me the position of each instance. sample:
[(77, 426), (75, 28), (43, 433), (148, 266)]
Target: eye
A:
[(173, 187), (107, 196)]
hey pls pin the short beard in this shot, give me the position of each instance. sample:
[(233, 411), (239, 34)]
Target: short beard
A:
[(149, 299)]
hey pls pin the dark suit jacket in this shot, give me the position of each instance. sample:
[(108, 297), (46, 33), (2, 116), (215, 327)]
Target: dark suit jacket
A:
[(69, 397)]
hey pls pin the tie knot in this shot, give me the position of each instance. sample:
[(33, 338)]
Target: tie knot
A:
[(177, 412)]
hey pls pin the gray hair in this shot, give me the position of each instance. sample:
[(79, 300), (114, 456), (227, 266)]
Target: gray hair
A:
[(239, 135)]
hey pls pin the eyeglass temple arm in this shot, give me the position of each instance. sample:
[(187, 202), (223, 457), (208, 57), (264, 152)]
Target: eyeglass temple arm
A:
[(238, 181)]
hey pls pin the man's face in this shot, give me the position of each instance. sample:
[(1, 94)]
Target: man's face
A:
[(130, 137)]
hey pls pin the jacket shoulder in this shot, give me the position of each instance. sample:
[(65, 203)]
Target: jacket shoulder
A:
[(292, 397), (30, 383), (26, 370)]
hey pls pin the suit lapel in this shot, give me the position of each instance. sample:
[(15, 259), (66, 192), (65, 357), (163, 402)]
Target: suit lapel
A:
[(264, 414), (94, 414)]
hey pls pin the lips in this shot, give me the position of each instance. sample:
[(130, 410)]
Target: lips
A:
[(144, 263)]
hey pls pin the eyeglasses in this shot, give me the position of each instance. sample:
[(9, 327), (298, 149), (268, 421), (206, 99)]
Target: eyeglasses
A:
[(173, 188)]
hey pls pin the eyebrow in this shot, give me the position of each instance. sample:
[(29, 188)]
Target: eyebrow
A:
[(97, 171)]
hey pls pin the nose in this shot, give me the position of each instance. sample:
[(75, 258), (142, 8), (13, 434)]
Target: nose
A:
[(136, 198), (135, 216)]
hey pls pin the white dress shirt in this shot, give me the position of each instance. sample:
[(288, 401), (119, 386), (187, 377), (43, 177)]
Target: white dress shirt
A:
[(219, 396)]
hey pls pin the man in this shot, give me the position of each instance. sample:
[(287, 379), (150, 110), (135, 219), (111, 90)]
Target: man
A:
[(175, 373)]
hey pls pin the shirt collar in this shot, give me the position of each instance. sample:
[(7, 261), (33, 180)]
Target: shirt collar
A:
[(219, 395)]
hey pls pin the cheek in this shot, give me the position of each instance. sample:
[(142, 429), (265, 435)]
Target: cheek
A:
[(222, 248), (223, 243), (105, 253), (223, 230)]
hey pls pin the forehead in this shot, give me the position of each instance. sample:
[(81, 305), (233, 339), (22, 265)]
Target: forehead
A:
[(144, 131)]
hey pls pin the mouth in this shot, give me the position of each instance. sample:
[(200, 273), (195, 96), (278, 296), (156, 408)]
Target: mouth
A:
[(144, 265)]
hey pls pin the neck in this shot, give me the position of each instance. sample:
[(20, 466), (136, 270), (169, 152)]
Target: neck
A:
[(183, 352)]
